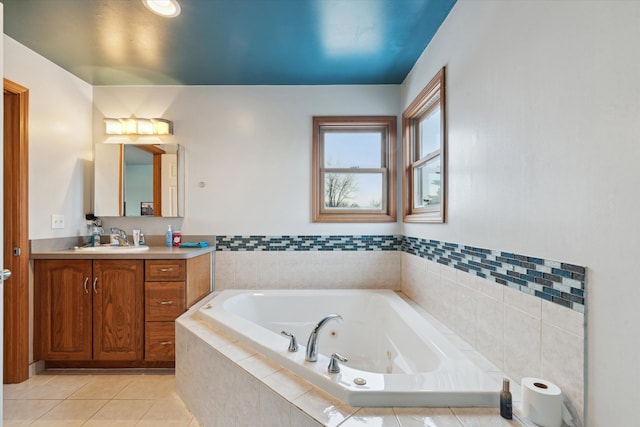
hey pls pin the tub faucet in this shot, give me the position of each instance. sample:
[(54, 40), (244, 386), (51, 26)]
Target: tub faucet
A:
[(312, 343)]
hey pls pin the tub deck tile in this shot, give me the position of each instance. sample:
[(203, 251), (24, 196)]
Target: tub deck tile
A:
[(259, 366), (287, 384), (324, 408), (379, 417), (432, 417)]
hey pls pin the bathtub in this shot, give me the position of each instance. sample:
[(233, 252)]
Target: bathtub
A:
[(395, 356)]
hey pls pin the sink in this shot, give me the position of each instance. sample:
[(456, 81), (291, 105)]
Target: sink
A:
[(108, 249)]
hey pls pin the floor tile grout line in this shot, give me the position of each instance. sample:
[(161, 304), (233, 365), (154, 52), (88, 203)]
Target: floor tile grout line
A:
[(86, 380)]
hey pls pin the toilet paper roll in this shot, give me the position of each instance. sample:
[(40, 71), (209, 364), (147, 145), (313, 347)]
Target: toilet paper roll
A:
[(541, 402)]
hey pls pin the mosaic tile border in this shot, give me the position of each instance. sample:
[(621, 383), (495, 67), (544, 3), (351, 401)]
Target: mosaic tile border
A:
[(308, 243), (555, 281)]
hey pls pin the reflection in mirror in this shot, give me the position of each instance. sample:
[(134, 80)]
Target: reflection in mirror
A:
[(138, 180)]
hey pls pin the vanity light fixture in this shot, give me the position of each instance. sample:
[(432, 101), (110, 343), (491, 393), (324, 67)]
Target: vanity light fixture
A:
[(135, 126), (166, 8)]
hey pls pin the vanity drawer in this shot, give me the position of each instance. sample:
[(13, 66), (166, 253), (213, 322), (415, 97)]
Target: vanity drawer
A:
[(164, 270), (163, 300), (159, 341)]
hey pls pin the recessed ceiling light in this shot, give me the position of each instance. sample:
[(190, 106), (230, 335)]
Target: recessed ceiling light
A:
[(166, 8)]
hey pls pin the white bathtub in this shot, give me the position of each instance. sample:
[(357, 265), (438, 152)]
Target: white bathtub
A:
[(404, 359)]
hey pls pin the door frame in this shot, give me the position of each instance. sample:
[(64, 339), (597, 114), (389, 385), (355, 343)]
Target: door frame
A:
[(16, 232)]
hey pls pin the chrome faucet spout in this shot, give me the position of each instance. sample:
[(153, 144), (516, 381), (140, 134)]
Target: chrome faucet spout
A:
[(312, 343), (120, 236)]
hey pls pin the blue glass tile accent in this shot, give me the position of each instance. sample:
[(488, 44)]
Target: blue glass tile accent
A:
[(559, 272), (559, 282), (552, 277), (573, 268)]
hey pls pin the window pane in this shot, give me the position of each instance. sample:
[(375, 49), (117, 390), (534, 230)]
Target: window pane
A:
[(428, 137), (427, 184), (352, 149), (353, 191)]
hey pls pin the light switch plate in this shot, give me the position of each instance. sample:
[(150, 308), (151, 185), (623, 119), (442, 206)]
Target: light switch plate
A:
[(57, 221)]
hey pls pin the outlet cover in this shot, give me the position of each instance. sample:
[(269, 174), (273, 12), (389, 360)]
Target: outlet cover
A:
[(57, 221)]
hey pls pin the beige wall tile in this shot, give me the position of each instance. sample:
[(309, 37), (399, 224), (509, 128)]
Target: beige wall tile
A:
[(522, 347), (490, 288), (563, 363), (490, 324), (274, 410), (523, 302), (563, 317)]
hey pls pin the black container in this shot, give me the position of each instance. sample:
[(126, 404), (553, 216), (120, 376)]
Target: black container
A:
[(506, 408)]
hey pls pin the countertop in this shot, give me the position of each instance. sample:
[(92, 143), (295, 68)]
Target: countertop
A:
[(154, 252)]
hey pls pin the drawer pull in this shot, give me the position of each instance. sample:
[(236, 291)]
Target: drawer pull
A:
[(95, 281), (166, 270), (84, 285), (165, 342), (164, 302)]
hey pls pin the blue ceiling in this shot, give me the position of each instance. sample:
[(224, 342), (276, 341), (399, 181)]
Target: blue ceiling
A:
[(229, 42)]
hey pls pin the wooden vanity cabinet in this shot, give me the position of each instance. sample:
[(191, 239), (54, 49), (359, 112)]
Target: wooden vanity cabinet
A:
[(171, 286), (113, 312), (89, 310), (63, 310)]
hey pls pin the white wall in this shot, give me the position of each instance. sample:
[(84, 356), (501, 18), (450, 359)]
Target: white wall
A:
[(250, 146), (543, 106), (60, 146)]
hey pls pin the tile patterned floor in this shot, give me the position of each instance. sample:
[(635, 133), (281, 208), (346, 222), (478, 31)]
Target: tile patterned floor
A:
[(96, 399)]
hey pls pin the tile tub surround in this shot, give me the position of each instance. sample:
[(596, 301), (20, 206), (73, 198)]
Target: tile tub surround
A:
[(559, 282), (524, 336), (522, 330), (225, 383), (307, 270)]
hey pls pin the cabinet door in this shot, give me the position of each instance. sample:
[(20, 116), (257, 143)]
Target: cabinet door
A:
[(63, 307), (118, 304)]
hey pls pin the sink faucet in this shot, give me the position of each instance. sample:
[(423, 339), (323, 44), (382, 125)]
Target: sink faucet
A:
[(120, 236), (312, 343)]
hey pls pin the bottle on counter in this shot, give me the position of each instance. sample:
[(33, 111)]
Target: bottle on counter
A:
[(177, 238), (95, 236), (506, 408), (168, 238)]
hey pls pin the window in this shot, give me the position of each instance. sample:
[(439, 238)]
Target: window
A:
[(424, 142), (354, 169)]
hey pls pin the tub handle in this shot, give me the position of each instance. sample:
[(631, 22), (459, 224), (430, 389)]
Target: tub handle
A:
[(334, 366), (293, 343)]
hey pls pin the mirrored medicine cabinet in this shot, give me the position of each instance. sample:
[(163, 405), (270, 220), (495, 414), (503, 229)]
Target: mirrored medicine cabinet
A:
[(139, 180)]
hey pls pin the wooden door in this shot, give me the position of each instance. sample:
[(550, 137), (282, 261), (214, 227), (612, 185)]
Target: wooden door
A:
[(63, 310), (16, 232), (118, 304)]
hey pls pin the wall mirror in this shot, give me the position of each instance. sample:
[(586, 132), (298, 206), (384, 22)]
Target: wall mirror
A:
[(139, 180)]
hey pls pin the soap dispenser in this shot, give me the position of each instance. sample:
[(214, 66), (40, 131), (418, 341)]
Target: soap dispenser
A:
[(95, 236), (168, 238)]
